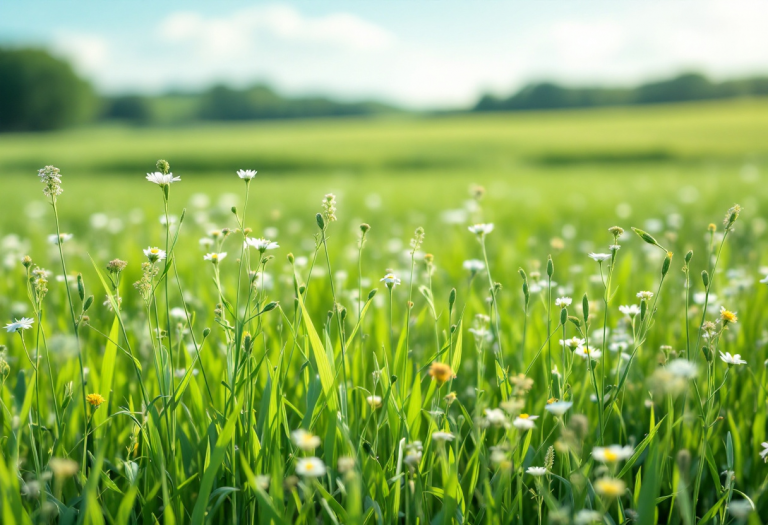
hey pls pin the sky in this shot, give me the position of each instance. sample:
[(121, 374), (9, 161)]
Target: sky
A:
[(415, 53)]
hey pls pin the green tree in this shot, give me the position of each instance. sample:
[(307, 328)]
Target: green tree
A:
[(39, 92)]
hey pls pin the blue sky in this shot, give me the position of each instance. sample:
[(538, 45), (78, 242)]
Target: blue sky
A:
[(425, 53)]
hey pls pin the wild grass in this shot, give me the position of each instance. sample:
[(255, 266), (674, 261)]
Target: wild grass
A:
[(377, 362)]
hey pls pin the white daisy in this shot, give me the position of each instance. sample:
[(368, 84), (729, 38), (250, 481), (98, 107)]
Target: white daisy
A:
[(572, 343), (214, 257), (261, 244), (246, 174), (600, 257), (537, 471), (61, 238), (306, 441), (525, 422), (442, 436), (585, 352), (562, 302), (764, 452), (25, 323), (558, 408), (154, 254), (178, 313), (481, 230), (310, 467), (629, 310), (734, 359), (374, 401), (612, 454), (586, 516), (390, 280), (162, 179), (496, 417), (644, 295), (682, 368), (474, 265)]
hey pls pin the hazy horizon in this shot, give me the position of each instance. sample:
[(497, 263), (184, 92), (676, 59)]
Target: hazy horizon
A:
[(421, 56)]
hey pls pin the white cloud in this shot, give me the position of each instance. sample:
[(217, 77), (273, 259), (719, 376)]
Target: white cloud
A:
[(240, 32), (346, 55), (88, 53)]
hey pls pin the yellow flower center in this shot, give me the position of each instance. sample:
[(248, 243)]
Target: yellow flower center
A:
[(611, 456), (154, 250), (309, 466), (524, 416)]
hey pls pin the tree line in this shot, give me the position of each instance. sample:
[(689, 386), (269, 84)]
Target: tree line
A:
[(40, 92), (686, 87)]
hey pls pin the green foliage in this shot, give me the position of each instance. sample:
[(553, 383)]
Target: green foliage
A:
[(39, 92), (687, 87), (205, 383)]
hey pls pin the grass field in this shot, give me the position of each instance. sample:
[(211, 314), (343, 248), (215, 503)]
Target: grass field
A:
[(209, 369)]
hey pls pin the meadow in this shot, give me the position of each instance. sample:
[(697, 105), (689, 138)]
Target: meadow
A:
[(369, 350)]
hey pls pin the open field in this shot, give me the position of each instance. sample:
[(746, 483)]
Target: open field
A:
[(198, 426)]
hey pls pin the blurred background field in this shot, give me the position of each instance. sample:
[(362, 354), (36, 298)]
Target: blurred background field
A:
[(553, 133)]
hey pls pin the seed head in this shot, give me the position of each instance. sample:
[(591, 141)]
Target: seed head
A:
[(418, 239), (163, 166), (51, 177), (731, 216), (329, 207), (116, 266)]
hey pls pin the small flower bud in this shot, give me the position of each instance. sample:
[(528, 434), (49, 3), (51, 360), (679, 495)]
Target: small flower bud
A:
[(80, 286), (270, 306), (550, 267), (647, 237), (26, 261), (206, 332), (731, 216), (705, 278), (320, 221), (88, 303), (291, 258), (163, 166), (688, 256), (665, 265), (452, 298), (372, 293), (233, 209), (365, 228), (116, 266), (563, 315), (585, 308)]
